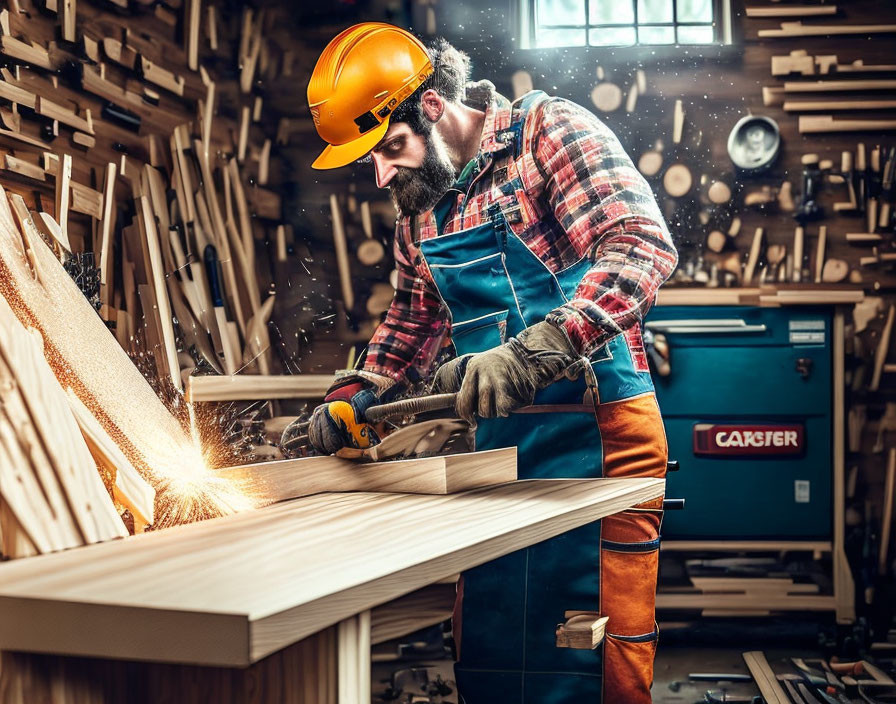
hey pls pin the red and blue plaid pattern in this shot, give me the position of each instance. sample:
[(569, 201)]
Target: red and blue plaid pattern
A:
[(572, 193)]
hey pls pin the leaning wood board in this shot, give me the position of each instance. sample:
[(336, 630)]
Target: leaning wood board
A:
[(269, 482), (232, 590)]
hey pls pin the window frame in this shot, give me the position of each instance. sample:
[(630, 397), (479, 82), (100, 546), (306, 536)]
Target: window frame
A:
[(526, 24)]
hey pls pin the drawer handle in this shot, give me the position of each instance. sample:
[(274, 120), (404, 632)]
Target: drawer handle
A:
[(716, 326)]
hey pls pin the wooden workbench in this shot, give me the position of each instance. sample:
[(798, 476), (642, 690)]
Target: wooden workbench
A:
[(259, 606)]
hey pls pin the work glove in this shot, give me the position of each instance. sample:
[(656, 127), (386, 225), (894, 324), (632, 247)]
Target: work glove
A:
[(339, 421), (495, 382)]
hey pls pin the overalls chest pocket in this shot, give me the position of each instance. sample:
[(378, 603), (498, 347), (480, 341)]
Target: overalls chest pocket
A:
[(480, 334)]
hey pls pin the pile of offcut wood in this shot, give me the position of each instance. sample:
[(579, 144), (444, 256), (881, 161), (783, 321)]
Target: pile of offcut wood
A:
[(51, 495)]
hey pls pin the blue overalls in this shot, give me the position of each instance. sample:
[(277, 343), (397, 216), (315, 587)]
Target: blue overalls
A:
[(494, 287)]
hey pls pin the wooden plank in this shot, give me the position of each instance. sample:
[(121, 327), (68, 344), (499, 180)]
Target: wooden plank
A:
[(791, 11), (276, 481), (886, 523), (813, 124), (161, 77), (745, 602), (765, 678), (130, 489), (25, 52), (248, 387), (63, 192), (163, 304), (68, 18), (54, 111), (14, 94), (24, 168), (828, 106), (798, 29), (836, 86), (303, 565)]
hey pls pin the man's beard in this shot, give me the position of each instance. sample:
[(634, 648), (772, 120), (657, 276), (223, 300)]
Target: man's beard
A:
[(416, 190)]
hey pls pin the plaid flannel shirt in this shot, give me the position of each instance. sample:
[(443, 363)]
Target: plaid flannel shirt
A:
[(582, 197)]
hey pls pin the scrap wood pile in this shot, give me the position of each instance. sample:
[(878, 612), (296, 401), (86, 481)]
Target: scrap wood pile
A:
[(73, 401)]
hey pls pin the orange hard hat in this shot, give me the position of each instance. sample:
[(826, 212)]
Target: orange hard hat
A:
[(359, 80)]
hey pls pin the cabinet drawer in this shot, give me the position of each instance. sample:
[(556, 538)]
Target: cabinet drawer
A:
[(734, 381), (752, 496)]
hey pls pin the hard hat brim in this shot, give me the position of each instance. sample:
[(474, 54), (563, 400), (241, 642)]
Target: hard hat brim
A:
[(336, 155)]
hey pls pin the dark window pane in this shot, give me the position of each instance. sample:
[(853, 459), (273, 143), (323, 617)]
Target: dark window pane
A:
[(694, 11), (560, 12), (696, 35), (546, 38), (612, 36), (656, 35), (612, 12), (654, 11)]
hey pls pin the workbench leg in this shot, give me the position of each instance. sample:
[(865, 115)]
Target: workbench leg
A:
[(354, 659), (844, 587)]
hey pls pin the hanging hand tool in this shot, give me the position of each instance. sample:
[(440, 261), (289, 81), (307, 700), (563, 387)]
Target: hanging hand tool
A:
[(809, 208)]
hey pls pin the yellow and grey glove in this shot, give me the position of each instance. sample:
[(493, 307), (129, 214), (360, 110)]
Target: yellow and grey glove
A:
[(339, 421), (495, 382)]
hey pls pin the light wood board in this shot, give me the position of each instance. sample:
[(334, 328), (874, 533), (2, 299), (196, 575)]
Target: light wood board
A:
[(249, 387), (230, 591), (270, 482)]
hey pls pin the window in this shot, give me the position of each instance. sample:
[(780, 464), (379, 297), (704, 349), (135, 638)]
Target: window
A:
[(558, 23)]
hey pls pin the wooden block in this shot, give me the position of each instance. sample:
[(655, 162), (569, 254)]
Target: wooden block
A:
[(356, 551), (68, 18), (796, 62), (582, 631), (86, 200), (24, 168), (753, 259), (25, 52), (677, 122), (119, 53), (161, 77), (84, 140), (18, 95), (288, 479)]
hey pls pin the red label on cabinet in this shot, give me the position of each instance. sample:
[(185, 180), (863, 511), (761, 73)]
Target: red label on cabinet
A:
[(777, 439)]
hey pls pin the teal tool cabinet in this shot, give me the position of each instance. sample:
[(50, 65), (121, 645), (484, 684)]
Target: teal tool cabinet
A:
[(753, 411), (748, 377)]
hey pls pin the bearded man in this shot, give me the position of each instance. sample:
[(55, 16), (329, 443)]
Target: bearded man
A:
[(530, 248)]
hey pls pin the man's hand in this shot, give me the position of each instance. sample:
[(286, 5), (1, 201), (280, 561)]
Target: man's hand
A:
[(495, 382), (339, 422)]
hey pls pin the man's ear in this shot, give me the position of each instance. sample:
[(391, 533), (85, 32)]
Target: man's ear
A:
[(433, 105)]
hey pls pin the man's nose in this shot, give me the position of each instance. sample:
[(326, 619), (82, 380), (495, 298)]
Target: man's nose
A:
[(385, 172)]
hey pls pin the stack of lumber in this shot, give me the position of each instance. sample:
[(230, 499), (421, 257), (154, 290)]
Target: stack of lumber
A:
[(112, 135), (51, 494)]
